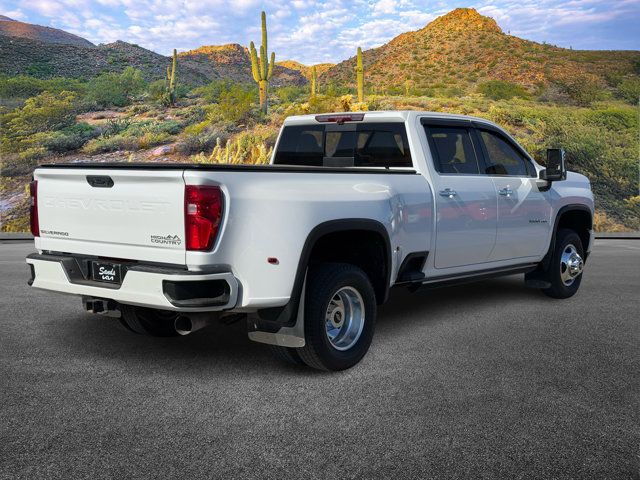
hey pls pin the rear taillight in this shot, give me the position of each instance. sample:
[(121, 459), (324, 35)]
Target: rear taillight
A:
[(202, 215), (33, 209)]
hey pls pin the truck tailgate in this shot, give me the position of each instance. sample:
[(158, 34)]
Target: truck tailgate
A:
[(128, 214)]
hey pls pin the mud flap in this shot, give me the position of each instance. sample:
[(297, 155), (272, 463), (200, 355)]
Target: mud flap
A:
[(285, 336)]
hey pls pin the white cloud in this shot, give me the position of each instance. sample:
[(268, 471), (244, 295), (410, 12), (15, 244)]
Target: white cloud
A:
[(313, 30), (47, 8), (15, 14), (384, 7)]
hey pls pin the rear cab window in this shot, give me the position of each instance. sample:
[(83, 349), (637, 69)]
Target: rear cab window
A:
[(369, 144)]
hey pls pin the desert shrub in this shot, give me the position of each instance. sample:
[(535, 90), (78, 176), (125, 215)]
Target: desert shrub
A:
[(212, 91), (500, 90), (24, 86), (603, 223), (614, 118), (32, 153), (191, 114), (42, 113), (115, 126), (629, 90), (292, 93), (70, 138), (152, 138), (204, 141), (582, 90), (234, 105), (40, 69), (453, 92), (110, 144), (138, 129), (123, 134), (156, 91), (115, 89), (346, 103), (321, 104), (334, 90)]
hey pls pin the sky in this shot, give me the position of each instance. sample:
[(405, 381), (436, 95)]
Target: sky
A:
[(315, 31)]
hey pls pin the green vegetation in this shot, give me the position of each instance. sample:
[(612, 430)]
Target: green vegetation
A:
[(499, 90), (314, 79), (24, 86), (132, 135), (360, 75), (582, 90), (261, 68), (171, 81), (26, 130), (629, 90), (115, 89)]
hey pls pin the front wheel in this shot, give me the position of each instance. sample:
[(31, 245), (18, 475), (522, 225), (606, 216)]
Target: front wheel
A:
[(339, 318), (565, 270)]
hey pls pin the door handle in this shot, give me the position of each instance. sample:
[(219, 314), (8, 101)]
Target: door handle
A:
[(447, 192), (505, 192)]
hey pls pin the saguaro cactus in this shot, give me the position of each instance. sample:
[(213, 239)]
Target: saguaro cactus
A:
[(314, 78), (261, 68), (172, 79), (360, 76)]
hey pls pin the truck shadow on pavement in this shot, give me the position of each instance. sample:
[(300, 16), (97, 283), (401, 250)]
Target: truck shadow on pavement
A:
[(222, 347)]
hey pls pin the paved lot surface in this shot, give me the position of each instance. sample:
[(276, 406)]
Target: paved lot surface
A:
[(490, 380)]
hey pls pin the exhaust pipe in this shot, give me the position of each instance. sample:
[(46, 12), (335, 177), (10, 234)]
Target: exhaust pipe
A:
[(185, 325)]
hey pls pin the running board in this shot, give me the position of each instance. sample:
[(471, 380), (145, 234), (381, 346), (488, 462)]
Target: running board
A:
[(449, 280)]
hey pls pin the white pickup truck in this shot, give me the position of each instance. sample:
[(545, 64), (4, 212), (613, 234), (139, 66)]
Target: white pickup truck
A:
[(305, 249)]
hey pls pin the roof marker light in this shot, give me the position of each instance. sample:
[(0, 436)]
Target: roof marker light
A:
[(340, 119)]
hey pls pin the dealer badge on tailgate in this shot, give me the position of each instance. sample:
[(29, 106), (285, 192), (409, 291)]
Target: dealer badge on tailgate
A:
[(106, 272)]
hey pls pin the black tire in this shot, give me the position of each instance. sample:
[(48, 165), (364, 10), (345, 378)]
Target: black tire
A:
[(564, 239), (323, 283), (149, 321), (286, 354)]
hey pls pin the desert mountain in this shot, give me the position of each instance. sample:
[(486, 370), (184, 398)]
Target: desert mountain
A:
[(457, 50), (13, 28), (304, 69), (232, 62), (49, 52), (463, 48), (32, 57)]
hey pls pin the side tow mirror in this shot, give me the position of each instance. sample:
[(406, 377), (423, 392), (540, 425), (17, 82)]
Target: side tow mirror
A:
[(556, 169)]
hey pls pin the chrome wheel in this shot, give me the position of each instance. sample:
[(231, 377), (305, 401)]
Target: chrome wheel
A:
[(571, 265), (344, 319)]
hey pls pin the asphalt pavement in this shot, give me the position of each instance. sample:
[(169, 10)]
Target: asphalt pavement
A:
[(486, 380)]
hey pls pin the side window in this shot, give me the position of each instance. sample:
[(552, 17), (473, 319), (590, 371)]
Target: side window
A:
[(502, 159), (301, 145), (453, 150)]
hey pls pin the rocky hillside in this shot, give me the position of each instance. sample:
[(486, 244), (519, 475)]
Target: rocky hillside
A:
[(13, 28), (33, 57), (50, 56), (463, 48), (232, 62), (304, 69)]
